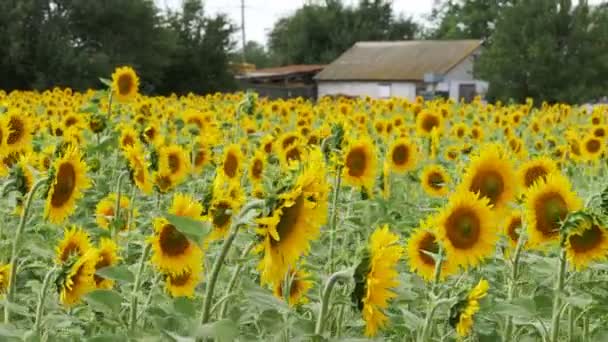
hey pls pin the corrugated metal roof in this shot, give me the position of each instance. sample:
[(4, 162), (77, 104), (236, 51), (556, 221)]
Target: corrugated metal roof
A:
[(398, 60), (284, 70)]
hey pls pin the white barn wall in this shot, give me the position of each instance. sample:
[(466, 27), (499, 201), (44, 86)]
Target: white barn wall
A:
[(371, 89)]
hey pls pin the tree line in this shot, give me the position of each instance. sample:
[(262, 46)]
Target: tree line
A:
[(550, 50)]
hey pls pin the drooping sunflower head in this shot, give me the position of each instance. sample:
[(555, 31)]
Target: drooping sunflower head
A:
[(139, 170), (360, 164), (379, 278), (465, 227), (491, 175), (172, 251), (535, 170), (174, 161), (299, 285), (435, 180), (586, 244), (402, 155), (5, 276), (75, 242), (426, 121), (184, 283), (125, 83), (186, 206), (67, 183), (232, 162), (420, 245), (77, 279), (107, 256), (463, 312), (547, 203)]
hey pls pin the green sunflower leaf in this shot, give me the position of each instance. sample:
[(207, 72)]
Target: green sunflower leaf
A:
[(221, 331), (119, 273), (193, 229), (105, 81), (104, 300)]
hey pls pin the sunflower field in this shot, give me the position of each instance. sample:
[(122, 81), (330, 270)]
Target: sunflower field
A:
[(229, 217)]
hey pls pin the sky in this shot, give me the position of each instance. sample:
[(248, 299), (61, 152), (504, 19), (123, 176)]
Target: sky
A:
[(260, 15)]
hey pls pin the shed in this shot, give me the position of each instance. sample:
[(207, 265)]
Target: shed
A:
[(404, 69), (282, 82)]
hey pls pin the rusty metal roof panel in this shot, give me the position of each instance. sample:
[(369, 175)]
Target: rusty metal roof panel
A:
[(398, 60), (284, 70)]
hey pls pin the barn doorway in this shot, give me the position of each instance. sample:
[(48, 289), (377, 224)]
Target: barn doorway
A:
[(466, 92)]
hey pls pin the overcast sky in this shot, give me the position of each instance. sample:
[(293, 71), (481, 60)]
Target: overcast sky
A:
[(260, 15)]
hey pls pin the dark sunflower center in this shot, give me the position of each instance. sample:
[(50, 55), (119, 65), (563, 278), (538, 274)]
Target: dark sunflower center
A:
[(463, 228), (460, 132), (231, 165), (534, 174), (430, 122), (104, 261), (293, 154), (125, 84), (71, 248), (593, 145), (180, 279), (172, 242), (356, 162), (400, 154), (150, 133), (256, 169), (174, 163), (588, 240), (435, 180), (488, 184), (221, 216), (514, 225), (428, 244), (70, 121), (452, 154), (288, 141), (595, 120), (268, 147), (575, 148), (289, 219), (139, 172), (128, 141), (200, 157), (550, 209), (294, 287), (599, 132), (163, 182), (16, 131), (66, 183)]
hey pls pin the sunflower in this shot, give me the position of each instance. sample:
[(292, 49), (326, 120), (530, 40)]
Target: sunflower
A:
[(5, 276), (19, 131), (151, 134), (256, 167), (462, 313), (360, 164), (427, 121), (105, 211), (77, 279), (491, 175), (125, 83), (422, 241), (548, 202), (592, 147), (220, 214), (460, 130), (107, 256), (184, 283), (175, 162), (435, 180), (298, 287), (203, 155), (588, 243), (68, 181), (536, 170), (379, 276), (75, 242), (465, 229), (128, 137), (22, 174), (513, 223), (138, 169), (232, 162), (288, 230), (402, 155), (163, 181)]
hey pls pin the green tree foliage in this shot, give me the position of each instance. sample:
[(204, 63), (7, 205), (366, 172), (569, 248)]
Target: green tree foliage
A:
[(549, 50), (255, 53), (46, 43), (466, 19), (318, 33)]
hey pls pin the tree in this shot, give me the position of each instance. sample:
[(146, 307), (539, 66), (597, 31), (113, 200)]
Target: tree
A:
[(466, 19), (547, 50), (255, 53), (319, 33)]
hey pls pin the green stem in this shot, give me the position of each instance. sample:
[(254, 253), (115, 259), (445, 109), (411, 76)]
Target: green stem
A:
[(217, 266), (585, 329), (432, 306), (10, 293), (234, 278), (136, 284), (6, 187), (334, 217), (559, 286), (117, 205), (513, 285), (344, 275), (570, 324), (42, 298)]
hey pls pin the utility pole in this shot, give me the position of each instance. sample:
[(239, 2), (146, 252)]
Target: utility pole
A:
[(243, 28)]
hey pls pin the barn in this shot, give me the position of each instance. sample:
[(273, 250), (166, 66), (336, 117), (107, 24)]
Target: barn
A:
[(405, 69)]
